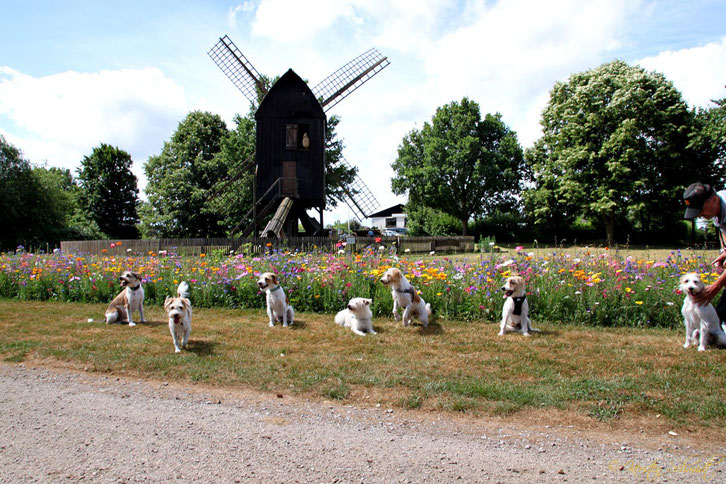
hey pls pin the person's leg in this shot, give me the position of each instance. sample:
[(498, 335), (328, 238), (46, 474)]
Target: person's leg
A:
[(721, 307)]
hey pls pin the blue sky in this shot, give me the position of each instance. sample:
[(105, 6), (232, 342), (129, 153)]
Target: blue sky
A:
[(74, 74)]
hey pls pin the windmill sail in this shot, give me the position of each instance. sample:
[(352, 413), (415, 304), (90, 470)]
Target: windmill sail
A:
[(237, 68), (359, 197), (350, 77)]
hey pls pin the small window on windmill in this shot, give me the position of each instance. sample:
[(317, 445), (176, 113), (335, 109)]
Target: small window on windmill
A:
[(304, 137), (291, 140)]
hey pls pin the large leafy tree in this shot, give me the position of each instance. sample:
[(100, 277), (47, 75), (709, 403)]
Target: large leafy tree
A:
[(713, 132), (180, 179), (109, 192), (459, 163), (37, 204), (617, 147)]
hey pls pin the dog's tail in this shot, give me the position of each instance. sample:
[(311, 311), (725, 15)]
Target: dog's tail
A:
[(428, 308), (183, 290)]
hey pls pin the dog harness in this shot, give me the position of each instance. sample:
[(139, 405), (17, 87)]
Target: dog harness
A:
[(278, 287), (134, 288), (518, 301), (406, 291)]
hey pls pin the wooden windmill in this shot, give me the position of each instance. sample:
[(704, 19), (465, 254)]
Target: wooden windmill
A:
[(289, 158)]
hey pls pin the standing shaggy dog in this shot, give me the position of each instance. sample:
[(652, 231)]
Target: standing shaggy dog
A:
[(179, 309)]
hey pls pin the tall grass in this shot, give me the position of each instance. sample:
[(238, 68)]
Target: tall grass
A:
[(584, 287)]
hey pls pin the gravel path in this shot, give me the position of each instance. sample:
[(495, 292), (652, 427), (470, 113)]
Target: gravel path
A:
[(61, 426)]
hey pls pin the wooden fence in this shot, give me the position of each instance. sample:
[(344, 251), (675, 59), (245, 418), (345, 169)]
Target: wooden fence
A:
[(258, 245)]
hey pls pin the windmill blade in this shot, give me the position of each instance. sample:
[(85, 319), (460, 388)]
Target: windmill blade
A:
[(359, 197), (237, 68), (224, 185), (350, 77)]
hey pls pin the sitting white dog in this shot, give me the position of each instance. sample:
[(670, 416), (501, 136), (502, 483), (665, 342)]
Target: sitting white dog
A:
[(701, 321), (179, 309), (515, 312), (130, 299), (278, 305), (357, 316), (405, 296)]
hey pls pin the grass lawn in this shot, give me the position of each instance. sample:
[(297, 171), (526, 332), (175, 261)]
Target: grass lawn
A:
[(601, 374)]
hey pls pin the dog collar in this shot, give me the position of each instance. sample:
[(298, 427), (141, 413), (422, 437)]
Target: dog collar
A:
[(518, 302), (406, 291), (276, 288), (134, 288)]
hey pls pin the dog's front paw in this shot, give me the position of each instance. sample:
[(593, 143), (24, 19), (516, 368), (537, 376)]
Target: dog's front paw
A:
[(701, 348), (131, 323), (177, 350), (501, 333), (526, 334), (272, 323)]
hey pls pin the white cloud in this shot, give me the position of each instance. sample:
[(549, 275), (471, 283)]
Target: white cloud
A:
[(294, 22), (60, 118), (699, 72)]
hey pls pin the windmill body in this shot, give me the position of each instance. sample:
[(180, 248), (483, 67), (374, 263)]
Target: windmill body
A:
[(289, 160), (288, 114)]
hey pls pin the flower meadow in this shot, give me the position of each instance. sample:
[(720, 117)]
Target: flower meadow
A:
[(598, 288)]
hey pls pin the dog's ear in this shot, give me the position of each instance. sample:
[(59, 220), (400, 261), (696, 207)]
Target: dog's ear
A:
[(367, 302), (274, 278), (136, 275), (187, 304), (416, 298), (167, 303)]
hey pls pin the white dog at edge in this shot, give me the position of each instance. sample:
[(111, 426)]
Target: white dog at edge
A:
[(278, 305), (515, 312), (130, 299), (357, 316), (405, 296), (179, 309), (701, 321)]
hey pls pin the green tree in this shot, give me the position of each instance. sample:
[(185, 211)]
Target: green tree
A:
[(17, 188), (460, 164), (616, 148), (37, 204), (338, 174), (713, 133), (180, 179), (109, 192)]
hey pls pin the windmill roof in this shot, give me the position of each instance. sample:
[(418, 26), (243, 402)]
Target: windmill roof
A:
[(290, 96), (387, 212)]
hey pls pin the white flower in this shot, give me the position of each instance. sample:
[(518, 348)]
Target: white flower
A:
[(530, 254), (432, 252), (577, 292), (341, 251), (407, 251), (381, 247), (128, 250)]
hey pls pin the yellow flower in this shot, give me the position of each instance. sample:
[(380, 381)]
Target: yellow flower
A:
[(638, 302)]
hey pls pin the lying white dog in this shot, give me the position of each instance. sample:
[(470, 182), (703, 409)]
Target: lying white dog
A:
[(278, 305), (130, 299), (405, 296), (357, 316), (701, 321), (179, 309), (515, 312)]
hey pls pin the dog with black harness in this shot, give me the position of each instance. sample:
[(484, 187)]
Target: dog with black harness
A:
[(515, 313)]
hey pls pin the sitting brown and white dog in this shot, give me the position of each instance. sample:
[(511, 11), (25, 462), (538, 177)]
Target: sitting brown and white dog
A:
[(405, 296), (702, 322), (130, 299), (357, 316), (515, 312), (179, 309), (278, 305)]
